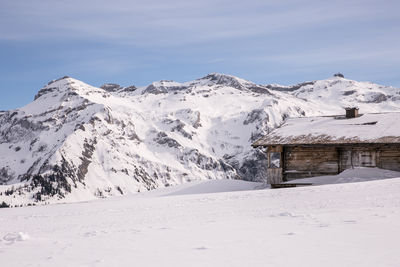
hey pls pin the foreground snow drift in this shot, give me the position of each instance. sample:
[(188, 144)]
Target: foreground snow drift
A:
[(353, 224), (206, 187), (360, 174)]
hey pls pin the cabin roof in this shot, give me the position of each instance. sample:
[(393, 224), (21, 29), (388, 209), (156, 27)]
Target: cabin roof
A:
[(379, 128)]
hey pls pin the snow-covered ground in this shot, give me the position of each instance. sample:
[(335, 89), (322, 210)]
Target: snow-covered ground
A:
[(349, 224)]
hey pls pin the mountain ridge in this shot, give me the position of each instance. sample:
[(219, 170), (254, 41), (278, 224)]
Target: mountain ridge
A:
[(77, 142)]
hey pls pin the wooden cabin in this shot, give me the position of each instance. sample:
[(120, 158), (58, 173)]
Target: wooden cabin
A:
[(327, 145)]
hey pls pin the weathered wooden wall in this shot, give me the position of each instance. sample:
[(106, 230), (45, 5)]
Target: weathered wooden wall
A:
[(302, 162), (384, 157), (389, 158), (309, 161)]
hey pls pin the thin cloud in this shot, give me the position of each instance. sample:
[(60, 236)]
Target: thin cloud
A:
[(168, 23)]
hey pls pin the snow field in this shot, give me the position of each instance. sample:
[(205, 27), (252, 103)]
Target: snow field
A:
[(352, 224)]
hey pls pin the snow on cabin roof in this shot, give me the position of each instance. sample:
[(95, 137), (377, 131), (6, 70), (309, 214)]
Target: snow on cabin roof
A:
[(367, 128)]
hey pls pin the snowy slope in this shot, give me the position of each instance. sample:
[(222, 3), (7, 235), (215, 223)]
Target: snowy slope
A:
[(354, 224), (77, 142), (369, 97)]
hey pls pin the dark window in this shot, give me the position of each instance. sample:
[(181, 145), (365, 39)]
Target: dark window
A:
[(274, 160)]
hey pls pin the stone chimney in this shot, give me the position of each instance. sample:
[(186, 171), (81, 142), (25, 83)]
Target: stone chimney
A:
[(351, 113)]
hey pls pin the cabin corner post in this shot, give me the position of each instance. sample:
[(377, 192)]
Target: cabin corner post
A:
[(283, 165), (378, 157), (275, 164)]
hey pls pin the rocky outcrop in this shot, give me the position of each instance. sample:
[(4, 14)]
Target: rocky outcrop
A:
[(111, 87)]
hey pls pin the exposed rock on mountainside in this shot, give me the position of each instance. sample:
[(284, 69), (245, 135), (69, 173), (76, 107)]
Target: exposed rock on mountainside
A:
[(77, 142)]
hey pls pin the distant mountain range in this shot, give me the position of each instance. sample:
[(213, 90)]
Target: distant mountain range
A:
[(77, 142)]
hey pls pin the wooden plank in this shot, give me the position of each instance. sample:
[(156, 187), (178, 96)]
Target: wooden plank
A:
[(390, 159), (274, 149), (311, 148), (298, 175), (274, 176), (310, 164), (298, 165), (275, 186), (390, 154)]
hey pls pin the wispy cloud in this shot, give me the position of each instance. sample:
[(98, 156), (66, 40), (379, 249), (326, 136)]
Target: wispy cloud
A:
[(137, 41), (174, 22)]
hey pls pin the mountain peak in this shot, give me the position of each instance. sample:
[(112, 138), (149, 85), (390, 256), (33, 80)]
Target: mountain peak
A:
[(59, 79), (221, 77), (52, 85), (68, 85), (164, 86), (111, 87), (339, 75), (225, 79), (217, 75)]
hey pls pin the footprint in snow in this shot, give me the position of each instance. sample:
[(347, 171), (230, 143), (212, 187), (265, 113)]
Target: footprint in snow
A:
[(201, 248), (90, 234), (350, 221), (283, 214), (11, 238)]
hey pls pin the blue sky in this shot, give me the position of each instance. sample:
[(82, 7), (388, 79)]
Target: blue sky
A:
[(138, 42)]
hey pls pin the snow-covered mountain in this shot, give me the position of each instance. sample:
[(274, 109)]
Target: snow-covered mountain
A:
[(77, 142)]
